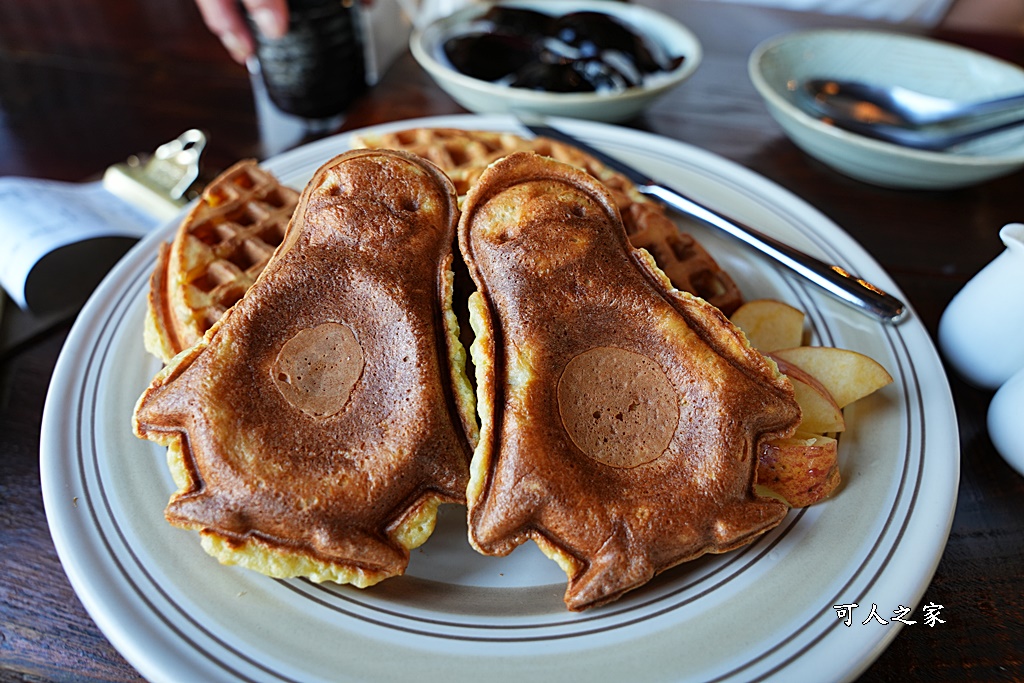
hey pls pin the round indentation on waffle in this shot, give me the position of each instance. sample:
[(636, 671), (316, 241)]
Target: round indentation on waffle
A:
[(618, 406), (317, 368)]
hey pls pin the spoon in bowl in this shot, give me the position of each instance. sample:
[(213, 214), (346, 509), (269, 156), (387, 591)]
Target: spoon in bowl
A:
[(898, 106), (906, 117), (931, 139)]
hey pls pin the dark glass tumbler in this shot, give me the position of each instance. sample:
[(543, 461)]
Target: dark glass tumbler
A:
[(318, 68)]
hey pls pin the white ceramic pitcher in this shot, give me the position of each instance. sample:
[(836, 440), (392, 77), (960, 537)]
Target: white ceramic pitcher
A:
[(1005, 413), (981, 332)]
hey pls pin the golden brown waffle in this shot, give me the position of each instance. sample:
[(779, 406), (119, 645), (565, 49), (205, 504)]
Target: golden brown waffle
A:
[(218, 252), (314, 430), (620, 429), (465, 154)]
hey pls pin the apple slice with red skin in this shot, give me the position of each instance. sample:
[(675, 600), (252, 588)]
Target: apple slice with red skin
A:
[(847, 375), (803, 469), (820, 412)]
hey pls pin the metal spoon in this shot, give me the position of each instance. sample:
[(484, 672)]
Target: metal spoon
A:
[(890, 115), (897, 106), (932, 139)]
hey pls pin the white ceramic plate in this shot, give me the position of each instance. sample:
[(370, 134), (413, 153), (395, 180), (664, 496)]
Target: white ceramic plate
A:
[(762, 612)]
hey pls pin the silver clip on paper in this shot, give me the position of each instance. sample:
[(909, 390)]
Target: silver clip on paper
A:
[(159, 183)]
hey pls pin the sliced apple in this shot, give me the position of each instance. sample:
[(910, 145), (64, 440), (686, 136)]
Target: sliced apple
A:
[(803, 469), (770, 324), (820, 412), (847, 375)]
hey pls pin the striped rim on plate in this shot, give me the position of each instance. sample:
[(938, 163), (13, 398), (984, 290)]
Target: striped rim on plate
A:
[(762, 612)]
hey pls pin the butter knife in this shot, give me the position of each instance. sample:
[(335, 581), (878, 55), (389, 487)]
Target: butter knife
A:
[(848, 288)]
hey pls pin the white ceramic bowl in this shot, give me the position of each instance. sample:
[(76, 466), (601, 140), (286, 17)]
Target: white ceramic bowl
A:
[(484, 97), (929, 66)]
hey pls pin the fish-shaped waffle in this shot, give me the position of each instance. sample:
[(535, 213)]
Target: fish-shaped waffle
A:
[(317, 426), (620, 418)]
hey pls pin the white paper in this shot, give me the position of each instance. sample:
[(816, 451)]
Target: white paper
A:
[(58, 238)]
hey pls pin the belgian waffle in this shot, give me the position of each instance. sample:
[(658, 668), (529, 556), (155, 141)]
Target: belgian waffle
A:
[(220, 249), (465, 154)]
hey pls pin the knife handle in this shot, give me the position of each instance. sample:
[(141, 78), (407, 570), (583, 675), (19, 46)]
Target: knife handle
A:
[(833, 279)]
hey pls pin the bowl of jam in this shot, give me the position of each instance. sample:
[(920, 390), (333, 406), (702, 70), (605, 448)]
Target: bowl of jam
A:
[(599, 60)]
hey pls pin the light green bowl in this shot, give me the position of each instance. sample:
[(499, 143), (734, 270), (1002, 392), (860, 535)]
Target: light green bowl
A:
[(778, 65)]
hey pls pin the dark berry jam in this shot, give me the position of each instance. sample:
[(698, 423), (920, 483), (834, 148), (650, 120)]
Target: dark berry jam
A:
[(576, 52)]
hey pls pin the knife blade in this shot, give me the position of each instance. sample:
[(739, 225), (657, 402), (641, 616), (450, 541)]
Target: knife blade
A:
[(837, 281)]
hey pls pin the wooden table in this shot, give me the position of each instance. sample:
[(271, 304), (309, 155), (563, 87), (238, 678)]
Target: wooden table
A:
[(84, 85)]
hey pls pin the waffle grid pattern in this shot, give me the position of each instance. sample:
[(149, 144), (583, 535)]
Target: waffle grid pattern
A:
[(217, 253), (229, 243)]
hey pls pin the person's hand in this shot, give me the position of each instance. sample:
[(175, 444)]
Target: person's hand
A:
[(224, 18)]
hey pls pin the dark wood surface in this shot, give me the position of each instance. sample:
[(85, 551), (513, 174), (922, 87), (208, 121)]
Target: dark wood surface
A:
[(85, 84)]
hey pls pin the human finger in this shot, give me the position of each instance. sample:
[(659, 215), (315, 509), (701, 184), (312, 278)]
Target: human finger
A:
[(270, 16), (224, 19)]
